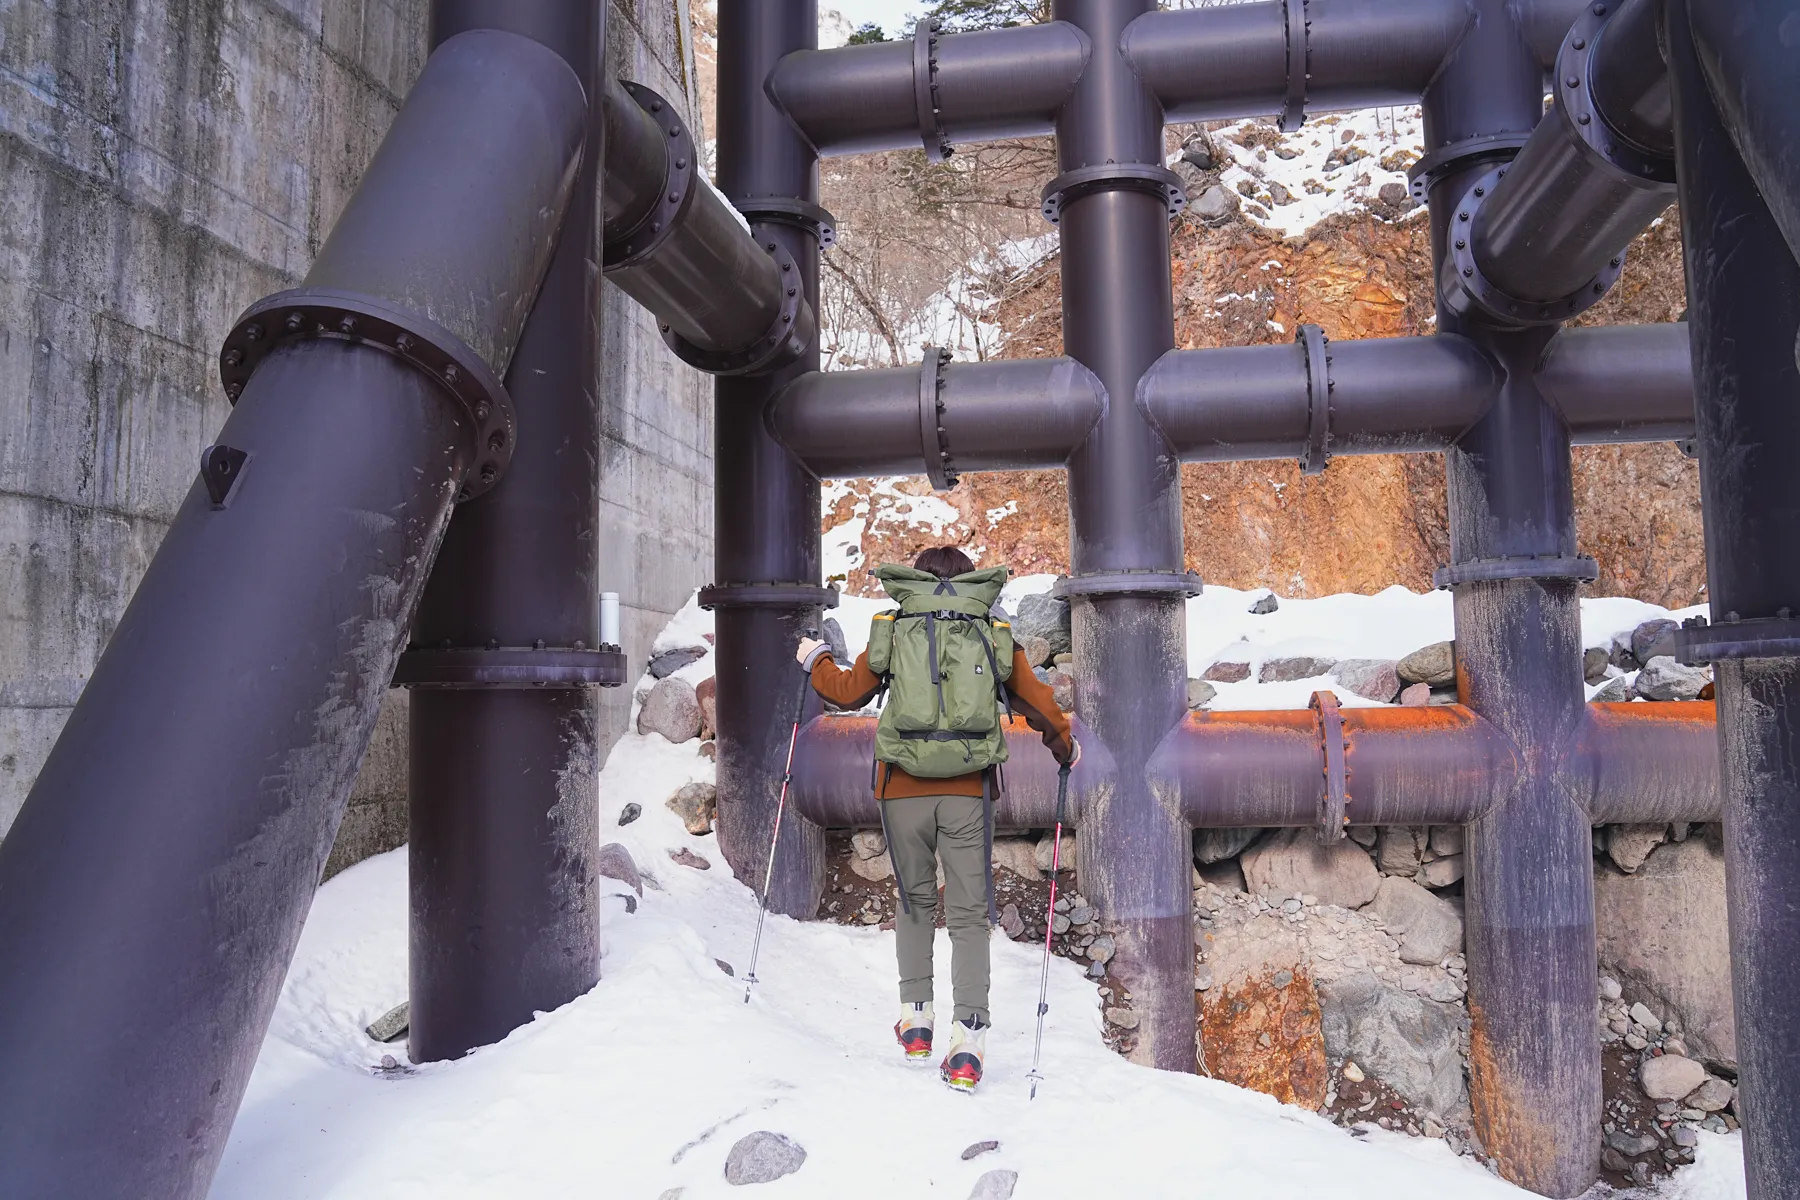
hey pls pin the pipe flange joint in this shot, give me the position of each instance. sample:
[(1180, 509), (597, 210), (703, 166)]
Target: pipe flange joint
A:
[(1459, 156), (925, 91), (1334, 797), (678, 187), (1466, 288), (504, 668), (1107, 177), (766, 594), (934, 442), (1735, 637), (1126, 583), (1299, 52), (1581, 568), (798, 214), (1317, 455), (785, 340), (306, 313), (1577, 110)]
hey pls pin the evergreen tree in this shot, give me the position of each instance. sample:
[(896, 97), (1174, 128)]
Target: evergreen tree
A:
[(866, 33)]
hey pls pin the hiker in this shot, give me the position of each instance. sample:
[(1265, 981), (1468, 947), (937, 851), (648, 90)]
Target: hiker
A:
[(948, 666)]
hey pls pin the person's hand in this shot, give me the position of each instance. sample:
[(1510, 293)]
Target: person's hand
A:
[(1075, 752), (808, 647)]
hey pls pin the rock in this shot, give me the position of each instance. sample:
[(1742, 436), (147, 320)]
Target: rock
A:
[(1286, 670), (1011, 922), (978, 1149), (688, 858), (1216, 845), (1096, 971), (1198, 151), (1416, 695), (1353, 1073), (1203, 977), (1630, 845), (1670, 1076), (1371, 678), (1620, 654), (1631, 1144), (1610, 989), (1037, 650), (1643, 1016), (1434, 664), (1409, 1043), (696, 804), (1443, 695), (1226, 672), (1200, 693), (1665, 679), (1124, 1018), (1044, 616), (1265, 604), (706, 694), (1226, 875), (1062, 689), (1616, 690), (1441, 872), (1291, 863), (630, 813), (1400, 849), (1215, 207), (1594, 661), (1430, 929), (762, 1157), (867, 843), (1684, 1137), (709, 750), (1648, 640), (725, 967), (1018, 855), (995, 1185), (1081, 914), (1279, 194), (875, 870), (672, 1194), (671, 661), (1446, 840), (1067, 853), (672, 710), (1101, 951), (614, 862), (834, 637), (1711, 1096), (398, 1019)]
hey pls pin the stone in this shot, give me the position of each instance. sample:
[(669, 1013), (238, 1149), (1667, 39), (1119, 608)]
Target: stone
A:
[(1363, 835), (1631, 1144), (706, 694), (391, 1024), (1279, 194), (1044, 616), (977, 1149), (1124, 1018), (1216, 845), (1081, 914), (1408, 1042), (670, 661), (1265, 604), (762, 1157), (1629, 846), (1101, 951), (1062, 689), (1291, 863), (1594, 661), (1375, 679), (1446, 840), (834, 637), (1394, 193), (1620, 654), (725, 967), (1711, 1096), (1018, 855), (1198, 151), (1643, 1016), (614, 862), (1665, 679), (868, 843), (1215, 207), (1067, 853), (1199, 694), (1443, 695), (1096, 971), (1650, 640), (696, 804), (1415, 695), (1037, 650), (1011, 922), (1670, 1076), (1400, 849), (1616, 690), (687, 858), (709, 751), (630, 813), (1286, 670), (1203, 977), (1226, 672), (1684, 1137), (1441, 872), (995, 1185), (1429, 928), (1434, 664), (671, 709), (875, 870), (1353, 1073)]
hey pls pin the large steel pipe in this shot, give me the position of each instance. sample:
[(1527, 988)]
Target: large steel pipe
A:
[(935, 90), (155, 882), (1379, 396), (938, 419), (1743, 305), (1621, 383), (1635, 763), (1273, 58)]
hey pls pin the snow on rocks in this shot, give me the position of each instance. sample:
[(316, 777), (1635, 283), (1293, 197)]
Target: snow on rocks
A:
[(614, 862), (995, 1185)]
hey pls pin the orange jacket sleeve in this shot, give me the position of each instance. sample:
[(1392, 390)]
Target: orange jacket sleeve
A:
[(1033, 700), (846, 689)]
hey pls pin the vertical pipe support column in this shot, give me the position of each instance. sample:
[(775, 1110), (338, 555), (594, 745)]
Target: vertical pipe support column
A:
[(766, 505), (1535, 1052), (1113, 202), (1743, 309)]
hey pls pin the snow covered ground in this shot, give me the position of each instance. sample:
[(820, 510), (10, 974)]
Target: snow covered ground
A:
[(643, 1085)]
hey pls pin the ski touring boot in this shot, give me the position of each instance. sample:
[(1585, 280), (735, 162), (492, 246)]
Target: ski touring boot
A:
[(913, 1031), (961, 1068)]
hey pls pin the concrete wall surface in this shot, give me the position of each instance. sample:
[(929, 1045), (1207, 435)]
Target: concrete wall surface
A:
[(162, 166)]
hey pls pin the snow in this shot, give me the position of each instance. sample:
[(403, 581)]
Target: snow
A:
[(643, 1084)]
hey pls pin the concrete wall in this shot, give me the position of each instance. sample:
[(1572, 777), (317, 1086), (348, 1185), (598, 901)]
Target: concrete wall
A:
[(162, 166)]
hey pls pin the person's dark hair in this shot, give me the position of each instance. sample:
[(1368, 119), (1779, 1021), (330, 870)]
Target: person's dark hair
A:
[(944, 562)]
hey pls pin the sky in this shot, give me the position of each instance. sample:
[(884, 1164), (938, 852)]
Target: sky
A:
[(889, 14)]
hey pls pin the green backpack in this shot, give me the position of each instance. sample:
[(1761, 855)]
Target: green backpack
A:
[(945, 662)]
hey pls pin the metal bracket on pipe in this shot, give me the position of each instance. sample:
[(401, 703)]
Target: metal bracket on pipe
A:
[(1299, 34), (1334, 799), (1458, 156), (1734, 638), (1127, 583), (1575, 103), (1105, 177), (678, 186), (1581, 568), (1465, 286), (774, 594), (305, 313), (511, 667), (786, 210), (934, 443), (781, 344), (925, 91), (1312, 339)]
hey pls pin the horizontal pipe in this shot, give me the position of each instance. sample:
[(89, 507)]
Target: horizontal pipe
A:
[(1621, 383), (1631, 86), (995, 83), (1387, 396), (1230, 61), (1640, 762), (1545, 23), (1003, 415)]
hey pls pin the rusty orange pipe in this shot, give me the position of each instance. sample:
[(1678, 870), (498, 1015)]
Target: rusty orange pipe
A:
[(1646, 762)]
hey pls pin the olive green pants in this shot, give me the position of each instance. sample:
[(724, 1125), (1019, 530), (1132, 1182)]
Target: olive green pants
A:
[(920, 831)]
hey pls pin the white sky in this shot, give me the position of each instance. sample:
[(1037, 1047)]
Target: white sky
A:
[(889, 14)]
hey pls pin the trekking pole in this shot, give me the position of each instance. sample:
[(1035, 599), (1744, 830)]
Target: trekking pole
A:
[(1037, 1045), (787, 776)]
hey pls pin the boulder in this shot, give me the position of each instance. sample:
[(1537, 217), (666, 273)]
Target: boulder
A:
[(834, 637), (1200, 693), (1215, 845), (1226, 672), (1409, 1043), (1441, 872), (1265, 604), (1649, 640), (1394, 193), (1018, 855), (391, 1024), (1286, 670), (1446, 840), (1434, 664), (1616, 690), (876, 867), (1067, 853), (671, 709), (1594, 661), (1629, 845), (1198, 151), (706, 694), (762, 1157), (867, 843), (1429, 929), (1043, 616), (670, 661), (1037, 650), (1400, 849), (1215, 207), (614, 862), (995, 1185), (1415, 695), (1711, 1096), (1375, 679), (1670, 1076), (696, 804), (1292, 863), (1665, 679), (1663, 936)]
